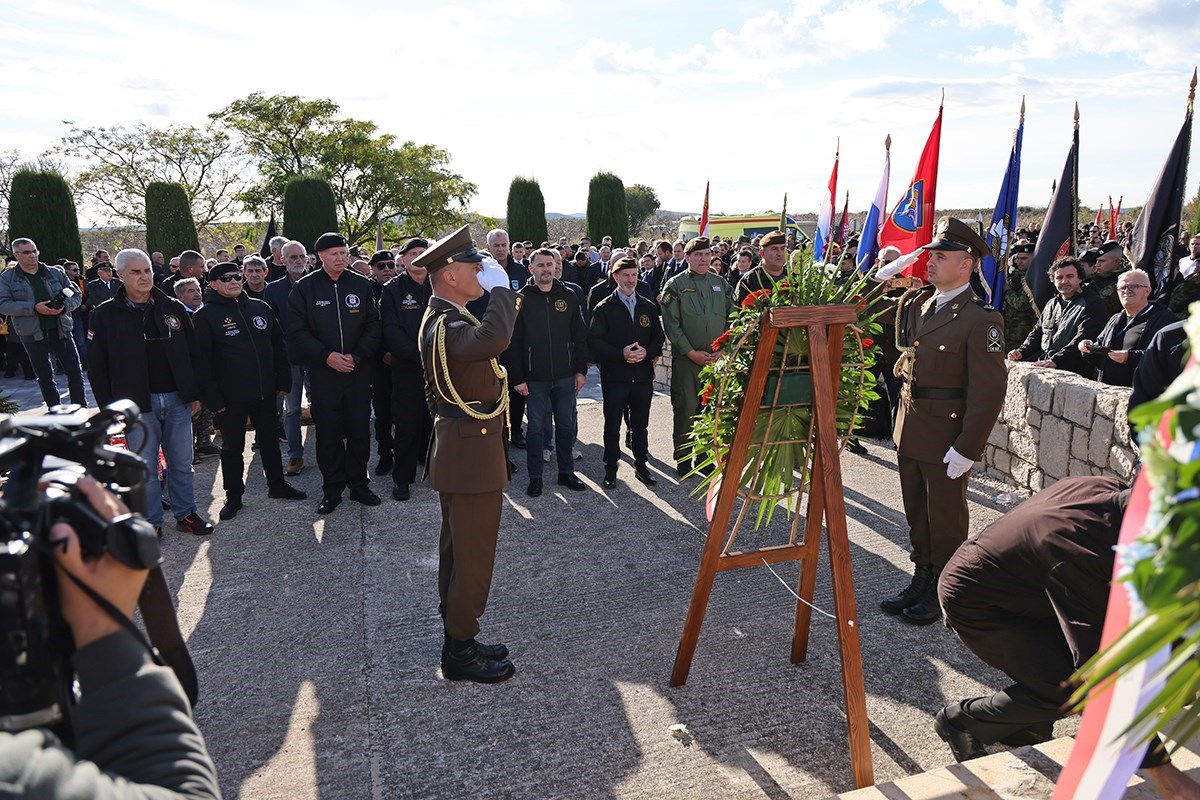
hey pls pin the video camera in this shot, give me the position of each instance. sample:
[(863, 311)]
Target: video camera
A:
[(44, 456)]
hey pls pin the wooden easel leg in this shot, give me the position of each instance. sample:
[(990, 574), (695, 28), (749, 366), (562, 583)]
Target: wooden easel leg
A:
[(808, 565), (695, 618)]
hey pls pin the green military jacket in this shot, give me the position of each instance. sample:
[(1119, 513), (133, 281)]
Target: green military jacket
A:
[(695, 311)]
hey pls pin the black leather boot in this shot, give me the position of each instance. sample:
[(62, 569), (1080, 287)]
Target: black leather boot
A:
[(494, 652), (926, 610), (462, 661), (911, 593)]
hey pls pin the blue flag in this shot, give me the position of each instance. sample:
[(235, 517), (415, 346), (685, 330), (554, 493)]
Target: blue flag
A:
[(868, 242), (1004, 222)]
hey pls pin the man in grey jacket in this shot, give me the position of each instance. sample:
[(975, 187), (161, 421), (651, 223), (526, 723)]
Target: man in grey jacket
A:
[(39, 300)]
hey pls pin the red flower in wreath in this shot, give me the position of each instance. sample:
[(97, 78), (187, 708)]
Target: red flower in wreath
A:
[(706, 393), (868, 341), (720, 340), (755, 296)]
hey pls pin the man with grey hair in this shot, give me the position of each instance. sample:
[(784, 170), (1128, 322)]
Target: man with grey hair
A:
[(39, 300), (1118, 349), (518, 276), (188, 292), (295, 257), (254, 270), (141, 350), (276, 267)]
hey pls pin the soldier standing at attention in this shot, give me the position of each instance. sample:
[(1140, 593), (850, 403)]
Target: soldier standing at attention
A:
[(467, 390), (952, 360), (695, 310)]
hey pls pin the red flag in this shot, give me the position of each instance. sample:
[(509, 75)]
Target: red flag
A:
[(910, 225), (1112, 220), (1119, 201), (1099, 218), (704, 213)]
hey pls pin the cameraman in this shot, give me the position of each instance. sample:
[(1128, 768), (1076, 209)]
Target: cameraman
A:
[(134, 734)]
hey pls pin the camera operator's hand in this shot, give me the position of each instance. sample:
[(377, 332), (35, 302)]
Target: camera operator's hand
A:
[(108, 577), (45, 309)]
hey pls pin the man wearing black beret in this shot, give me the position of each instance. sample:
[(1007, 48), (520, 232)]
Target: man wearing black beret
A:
[(333, 327)]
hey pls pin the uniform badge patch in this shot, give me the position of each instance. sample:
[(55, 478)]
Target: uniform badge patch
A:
[(172, 321), (560, 305), (260, 323), (995, 340), (644, 321), (352, 301)]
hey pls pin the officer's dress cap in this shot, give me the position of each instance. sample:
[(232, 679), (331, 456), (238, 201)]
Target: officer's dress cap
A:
[(954, 234), (699, 243), (446, 251)]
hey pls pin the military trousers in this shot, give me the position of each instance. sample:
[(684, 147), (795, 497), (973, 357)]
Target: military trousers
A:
[(467, 554), (381, 404), (341, 414), (685, 402), (936, 509)]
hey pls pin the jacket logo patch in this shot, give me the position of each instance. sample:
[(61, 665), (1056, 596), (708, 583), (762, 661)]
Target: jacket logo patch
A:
[(560, 305), (644, 321), (260, 323), (322, 302), (172, 321), (352, 301), (994, 339)]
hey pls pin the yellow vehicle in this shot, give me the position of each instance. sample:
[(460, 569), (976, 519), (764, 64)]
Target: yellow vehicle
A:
[(742, 225)]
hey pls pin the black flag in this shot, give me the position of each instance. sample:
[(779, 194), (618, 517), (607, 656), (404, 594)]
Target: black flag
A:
[(265, 250), (1152, 245), (1057, 237)]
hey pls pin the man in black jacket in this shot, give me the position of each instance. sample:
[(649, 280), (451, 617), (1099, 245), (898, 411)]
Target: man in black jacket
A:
[(1128, 332), (1074, 314), (333, 327), (401, 308), (383, 269), (141, 345), (549, 367), (295, 258), (626, 338), (242, 367)]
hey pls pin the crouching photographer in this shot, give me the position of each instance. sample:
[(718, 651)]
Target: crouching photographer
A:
[(87, 708)]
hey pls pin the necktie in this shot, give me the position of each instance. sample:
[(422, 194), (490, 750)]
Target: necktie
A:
[(630, 303)]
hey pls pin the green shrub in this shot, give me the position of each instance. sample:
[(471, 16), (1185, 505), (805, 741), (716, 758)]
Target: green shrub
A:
[(309, 209), (607, 211), (41, 208), (526, 212), (169, 226)]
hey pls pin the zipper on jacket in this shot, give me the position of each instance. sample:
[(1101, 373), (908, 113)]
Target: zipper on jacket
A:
[(338, 310), (257, 361)]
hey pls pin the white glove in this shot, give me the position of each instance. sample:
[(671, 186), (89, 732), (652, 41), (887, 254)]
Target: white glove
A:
[(896, 267), (957, 465), (493, 275)]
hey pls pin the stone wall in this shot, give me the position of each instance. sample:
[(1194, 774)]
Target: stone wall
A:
[(1055, 424), (662, 370)]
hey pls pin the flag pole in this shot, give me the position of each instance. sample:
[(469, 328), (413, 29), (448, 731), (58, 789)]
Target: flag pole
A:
[(1075, 187)]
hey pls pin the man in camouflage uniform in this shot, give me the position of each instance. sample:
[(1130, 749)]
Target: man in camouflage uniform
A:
[(1019, 316), (1103, 276)]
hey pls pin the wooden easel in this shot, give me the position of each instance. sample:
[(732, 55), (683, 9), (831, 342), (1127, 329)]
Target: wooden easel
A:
[(826, 327)]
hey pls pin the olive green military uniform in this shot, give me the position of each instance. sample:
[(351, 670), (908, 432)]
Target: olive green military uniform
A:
[(953, 367), (1106, 287), (1019, 316), (468, 461), (695, 311)]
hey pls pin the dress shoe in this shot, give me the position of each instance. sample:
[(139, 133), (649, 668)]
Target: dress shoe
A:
[(911, 593), (365, 496), (328, 504), (384, 467), (294, 467), (610, 479), (208, 450), (194, 524), (494, 652), (400, 492), (682, 468), (285, 491), (534, 489), (856, 447), (233, 504), (926, 610), (518, 439), (571, 481), (462, 661), (645, 476), (963, 744)]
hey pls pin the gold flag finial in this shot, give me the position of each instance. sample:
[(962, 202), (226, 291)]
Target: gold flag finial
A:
[(1192, 90), (1022, 109), (1076, 115), (887, 143)]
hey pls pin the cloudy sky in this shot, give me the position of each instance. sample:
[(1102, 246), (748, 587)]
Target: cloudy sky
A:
[(752, 95)]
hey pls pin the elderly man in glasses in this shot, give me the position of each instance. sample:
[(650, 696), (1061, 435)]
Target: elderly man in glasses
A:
[(1115, 353)]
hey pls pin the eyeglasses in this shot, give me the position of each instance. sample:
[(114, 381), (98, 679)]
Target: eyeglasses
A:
[(230, 277), (1128, 289)]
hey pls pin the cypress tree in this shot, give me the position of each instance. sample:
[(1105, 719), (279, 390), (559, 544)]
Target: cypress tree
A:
[(526, 212), (41, 208), (309, 209), (169, 226), (607, 210)]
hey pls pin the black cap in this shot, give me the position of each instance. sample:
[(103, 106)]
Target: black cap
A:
[(448, 250), (954, 234), (416, 241), (852, 242), (224, 268), (1089, 257), (1021, 247), (328, 240), (1108, 247), (381, 255)]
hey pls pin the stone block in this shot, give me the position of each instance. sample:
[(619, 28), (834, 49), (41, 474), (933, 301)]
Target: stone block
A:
[(1038, 480), (1054, 446), (999, 435), (1079, 444), (1041, 391), (1113, 401), (1022, 444), (1122, 462), (1100, 441), (1078, 403), (1078, 468), (1033, 418), (1002, 462), (1020, 472)]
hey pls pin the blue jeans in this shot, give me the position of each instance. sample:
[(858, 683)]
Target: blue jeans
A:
[(291, 412), (166, 424), (548, 398), (79, 334), (64, 350)]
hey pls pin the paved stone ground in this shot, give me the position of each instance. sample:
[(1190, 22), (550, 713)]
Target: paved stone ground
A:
[(317, 642)]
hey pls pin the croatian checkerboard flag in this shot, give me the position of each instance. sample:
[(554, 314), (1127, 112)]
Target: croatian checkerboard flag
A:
[(910, 225), (825, 215)]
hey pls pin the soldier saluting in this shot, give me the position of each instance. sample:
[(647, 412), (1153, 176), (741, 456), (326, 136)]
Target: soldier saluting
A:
[(467, 391), (952, 363)]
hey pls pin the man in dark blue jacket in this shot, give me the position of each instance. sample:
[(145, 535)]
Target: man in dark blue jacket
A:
[(277, 292), (242, 368), (333, 326)]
